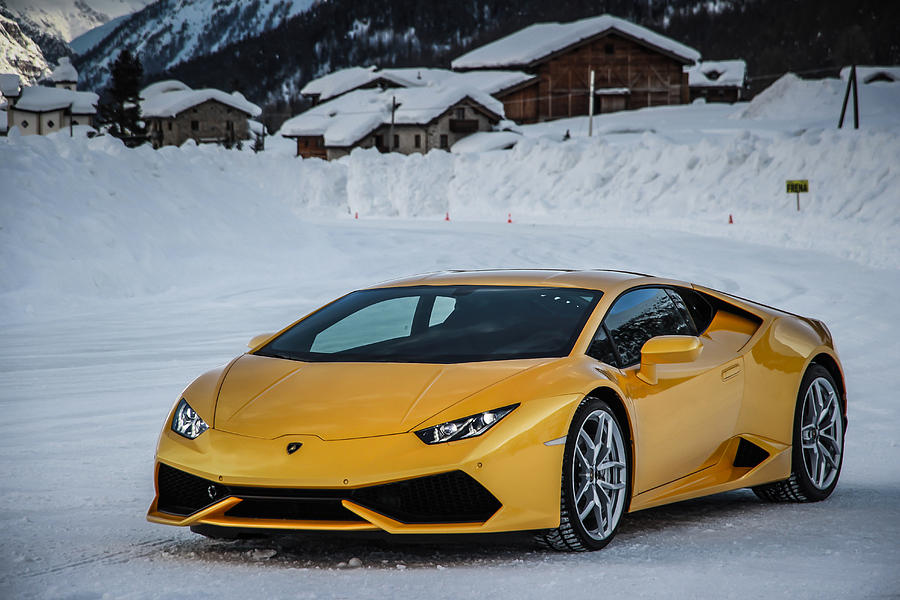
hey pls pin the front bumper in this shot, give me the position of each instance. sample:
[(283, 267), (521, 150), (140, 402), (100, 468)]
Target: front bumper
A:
[(367, 484)]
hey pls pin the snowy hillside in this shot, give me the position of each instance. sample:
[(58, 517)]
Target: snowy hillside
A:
[(126, 272), (19, 54), (67, 19), (171, 31)]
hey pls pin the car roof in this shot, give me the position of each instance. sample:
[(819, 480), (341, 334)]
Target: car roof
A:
[(599, 279)]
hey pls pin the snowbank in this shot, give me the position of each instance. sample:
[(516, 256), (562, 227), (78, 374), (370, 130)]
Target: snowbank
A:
[(112, 221)]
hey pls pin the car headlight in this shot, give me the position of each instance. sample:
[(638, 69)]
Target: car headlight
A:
[(187, 422), (467, 427)]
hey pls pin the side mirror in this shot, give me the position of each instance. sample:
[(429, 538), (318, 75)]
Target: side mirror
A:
[(257, 340), (667, 349)]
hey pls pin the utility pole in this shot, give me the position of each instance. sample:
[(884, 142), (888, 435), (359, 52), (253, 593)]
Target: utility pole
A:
[(393, 111), (591, 107), (851, 83)]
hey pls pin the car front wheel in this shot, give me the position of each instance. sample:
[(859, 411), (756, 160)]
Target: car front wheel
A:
[(595, 481)]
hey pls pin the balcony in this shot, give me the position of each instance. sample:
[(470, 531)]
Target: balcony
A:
[(463, 125)]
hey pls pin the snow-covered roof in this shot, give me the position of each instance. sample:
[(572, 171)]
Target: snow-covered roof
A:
[(868, 74), (348, 118), (345, 80), (718, 73), (540, 40), (10, 84), (489, 82), (38, 98), (166, 85), (64, 72), (170, 104), (340, 82)]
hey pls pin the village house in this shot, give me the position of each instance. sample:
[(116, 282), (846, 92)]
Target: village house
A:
[(634, 67), (406, 120), (328, 87), (175, 113), (718, 81), (41, 110)]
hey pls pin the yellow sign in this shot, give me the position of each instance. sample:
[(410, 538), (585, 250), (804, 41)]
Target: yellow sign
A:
[(799, 186)]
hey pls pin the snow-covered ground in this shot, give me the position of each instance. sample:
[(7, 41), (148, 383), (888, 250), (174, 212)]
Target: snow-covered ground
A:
[(125, 273)]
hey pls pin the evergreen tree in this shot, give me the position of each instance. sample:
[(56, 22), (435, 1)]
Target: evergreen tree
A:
[(121, 112)]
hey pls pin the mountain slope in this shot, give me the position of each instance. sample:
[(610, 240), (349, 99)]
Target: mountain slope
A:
[(168, 32), (20, 54), (67, 19)]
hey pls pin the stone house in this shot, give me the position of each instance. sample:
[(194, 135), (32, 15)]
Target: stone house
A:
[(405, 120), (175, 114), (634, 67)]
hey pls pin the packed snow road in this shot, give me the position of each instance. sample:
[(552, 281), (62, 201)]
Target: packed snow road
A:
[(84, 388)]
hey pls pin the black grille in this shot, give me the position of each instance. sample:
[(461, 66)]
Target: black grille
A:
[(182, 494), (446, 498), (452, 497), (298, 509)]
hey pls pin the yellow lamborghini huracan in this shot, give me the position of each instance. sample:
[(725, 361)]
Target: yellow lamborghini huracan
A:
[(553, 402)]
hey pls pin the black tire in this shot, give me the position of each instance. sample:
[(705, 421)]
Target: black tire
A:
[(799, 487), (571, 535)]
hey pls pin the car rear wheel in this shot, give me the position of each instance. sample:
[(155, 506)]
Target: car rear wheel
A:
[(595, 481), (818, 445)]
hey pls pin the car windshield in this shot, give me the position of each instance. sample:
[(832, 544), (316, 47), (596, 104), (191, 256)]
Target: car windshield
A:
[(440, 324)]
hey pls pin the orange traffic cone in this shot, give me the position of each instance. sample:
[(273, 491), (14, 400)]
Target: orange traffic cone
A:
[(356, 215), (447, 217), (509, 218), (730, 220)]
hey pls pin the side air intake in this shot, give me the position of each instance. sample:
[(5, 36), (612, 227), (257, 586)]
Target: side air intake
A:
[(749, 455)]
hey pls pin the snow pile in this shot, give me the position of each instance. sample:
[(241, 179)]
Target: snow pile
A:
[(793, 98), (542, 39)]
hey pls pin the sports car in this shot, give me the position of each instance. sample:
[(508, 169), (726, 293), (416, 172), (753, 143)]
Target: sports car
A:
[(547, 402)]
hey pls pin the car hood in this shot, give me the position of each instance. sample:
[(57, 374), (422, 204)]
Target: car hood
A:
[(271, 397)]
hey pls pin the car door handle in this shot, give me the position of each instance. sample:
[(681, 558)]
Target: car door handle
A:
[(731, 371)]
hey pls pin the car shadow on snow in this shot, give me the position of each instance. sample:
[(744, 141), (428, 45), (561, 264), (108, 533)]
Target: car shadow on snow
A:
[(661, 525)]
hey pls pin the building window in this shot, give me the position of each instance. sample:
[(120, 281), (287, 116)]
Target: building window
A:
[(418, 141), (396, 140), (195, 125), (24, 124), (170, 125), (50, 123), (609, 49), (379, 142), (318, 142), (444, 142), (229, 125), (460, 113), (74, 122)]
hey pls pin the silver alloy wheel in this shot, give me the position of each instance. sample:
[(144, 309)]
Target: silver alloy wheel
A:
[(599, 474), (821, 433)]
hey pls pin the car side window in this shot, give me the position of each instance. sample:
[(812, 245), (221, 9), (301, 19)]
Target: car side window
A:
[(639, 315), (698, 307), (601, 348)]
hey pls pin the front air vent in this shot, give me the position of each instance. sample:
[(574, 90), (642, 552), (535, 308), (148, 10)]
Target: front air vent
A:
[(452, 497), (749, 455)]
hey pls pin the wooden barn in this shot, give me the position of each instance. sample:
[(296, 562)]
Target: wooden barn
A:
[(634, 67)]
